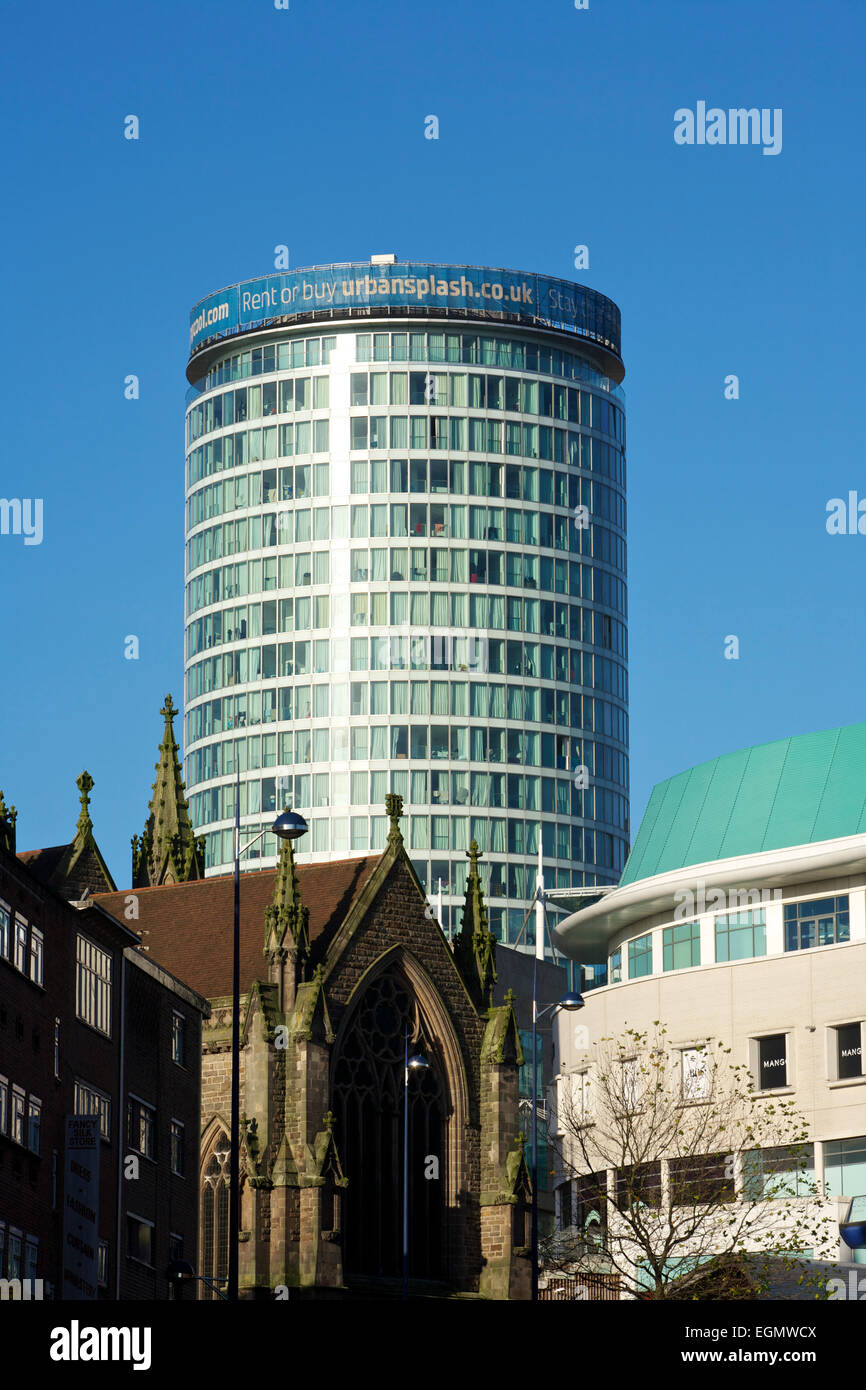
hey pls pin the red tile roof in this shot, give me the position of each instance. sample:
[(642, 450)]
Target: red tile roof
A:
[(42, 862), (188, 926)]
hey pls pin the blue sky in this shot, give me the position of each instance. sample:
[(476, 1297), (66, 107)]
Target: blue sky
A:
[(306, 127)]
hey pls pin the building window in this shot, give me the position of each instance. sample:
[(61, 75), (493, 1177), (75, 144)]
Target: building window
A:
[(741, 935), (21, 945), (215, 1215), (178, 1039), (821, 922), (102, 1265), (564, 1193), (18, 1111), (639, 1185), (177, 1147), (4, 1105), (14, 1260), (629, 1082), (640, 956), (175, 1246), (572, 1100), (849, 1051), (4, 931), (90, 1101), (36, 955), (845, 1167), (139, 1235), (31, 1256), (699, 1179), (779, 1173), (2, 1248), (57, 1048), (34, 1123), (770, 1066), (141, 1127), (695, 1074), (681, 946), (93, 985)]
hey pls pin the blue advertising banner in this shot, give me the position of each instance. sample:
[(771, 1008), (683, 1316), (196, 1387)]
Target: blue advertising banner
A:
[(559, 303)]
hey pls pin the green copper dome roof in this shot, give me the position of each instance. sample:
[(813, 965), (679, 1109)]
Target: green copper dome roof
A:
[(791, 792)]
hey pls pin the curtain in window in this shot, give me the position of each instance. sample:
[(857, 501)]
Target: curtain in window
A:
[(479, 787), (497, 701), (378, 742), (497, 836), (420, 610), (496, 611), (439, 609), (439, 697), (479, 832)]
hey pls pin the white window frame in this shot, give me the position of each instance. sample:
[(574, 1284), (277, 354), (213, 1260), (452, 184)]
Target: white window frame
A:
[(37, 957), (178, 1172), (21, 944), (34, 1111), (630, 1083), (755, 1061), (98, 1103), (690, 1074), (93, 984), (178, 1030), (136, 1106), (5, 930), (18, 1128), (833, 1052)]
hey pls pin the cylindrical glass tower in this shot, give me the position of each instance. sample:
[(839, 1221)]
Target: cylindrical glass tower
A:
[(406, 571)]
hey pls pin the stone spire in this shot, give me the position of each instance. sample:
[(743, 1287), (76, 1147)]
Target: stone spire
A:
[(81, 868), (287, 930), (475, 946), (168, 851), (8, 817), (84, 783), (394, 809)]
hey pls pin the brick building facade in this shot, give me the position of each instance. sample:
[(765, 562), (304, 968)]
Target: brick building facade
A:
[(342, 968), (87, 1026)]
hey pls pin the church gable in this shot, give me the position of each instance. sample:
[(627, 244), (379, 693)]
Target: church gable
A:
[(392, 911)]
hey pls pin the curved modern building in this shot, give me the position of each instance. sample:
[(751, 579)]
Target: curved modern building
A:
[(406, 571), (741, 918)]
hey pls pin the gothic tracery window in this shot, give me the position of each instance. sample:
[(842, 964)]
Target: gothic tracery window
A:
[(368, 1101), (215, 1216)]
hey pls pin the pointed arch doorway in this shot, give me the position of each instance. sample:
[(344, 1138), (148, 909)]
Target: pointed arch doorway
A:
[(368, 1104)]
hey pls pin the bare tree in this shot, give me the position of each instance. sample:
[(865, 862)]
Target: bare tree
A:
[(689, 1183)]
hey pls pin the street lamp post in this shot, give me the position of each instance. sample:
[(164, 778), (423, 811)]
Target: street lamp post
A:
[(416, 1063), (571, 1002), (287, 826)]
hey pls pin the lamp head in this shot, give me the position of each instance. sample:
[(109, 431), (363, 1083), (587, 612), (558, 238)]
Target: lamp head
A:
[(572, 1001), (418, 1063), (289, 825)]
